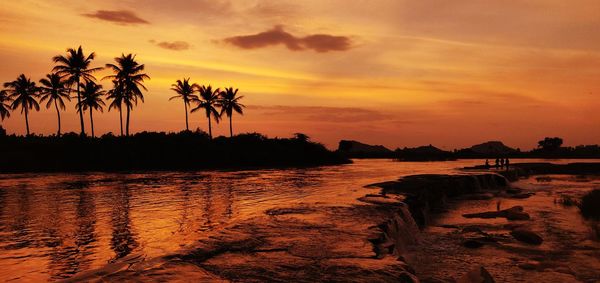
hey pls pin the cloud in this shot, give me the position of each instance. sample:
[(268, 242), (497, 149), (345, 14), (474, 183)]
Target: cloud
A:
[(323, 114), (174, 45), (122, 17), (275, 36)]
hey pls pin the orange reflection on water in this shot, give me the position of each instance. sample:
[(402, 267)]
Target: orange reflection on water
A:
[(53, 226)]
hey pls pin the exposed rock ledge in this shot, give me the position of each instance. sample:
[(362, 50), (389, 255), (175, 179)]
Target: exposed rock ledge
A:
[(425, 194)]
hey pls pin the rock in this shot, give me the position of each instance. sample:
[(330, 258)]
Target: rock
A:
[(481, 196), (531, 265), (428, 193), (449, 226), (477, 275), (484, 215), (472, 229), (590, 205), (522, 195), (514, 190), (491, 148), (472, 244), (527, 236), (513, 213), (357, 149), (380, 199), (406, 277)]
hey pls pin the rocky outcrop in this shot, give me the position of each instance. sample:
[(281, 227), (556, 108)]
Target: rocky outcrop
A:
[(513, 213), (424, 153), (477, 275), (527, 236), (492, 148), (356, 149), (590, 205), (425, 194)]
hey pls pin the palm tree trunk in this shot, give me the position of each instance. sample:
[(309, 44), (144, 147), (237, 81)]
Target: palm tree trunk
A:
[(26, 120), (187, 127), (92, 122), (209, 128), (58, 115), (230, 126), (127, 125), (80, 112), (121, 119)]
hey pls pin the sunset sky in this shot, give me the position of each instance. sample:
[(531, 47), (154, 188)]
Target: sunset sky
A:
[(392, 72)]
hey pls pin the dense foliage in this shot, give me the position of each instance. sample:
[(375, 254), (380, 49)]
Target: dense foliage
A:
[(158, 151)]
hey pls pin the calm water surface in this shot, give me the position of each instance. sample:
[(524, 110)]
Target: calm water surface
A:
[(55, 225)]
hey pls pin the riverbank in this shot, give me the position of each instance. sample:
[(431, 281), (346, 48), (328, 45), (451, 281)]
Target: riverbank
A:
[(184, 151)]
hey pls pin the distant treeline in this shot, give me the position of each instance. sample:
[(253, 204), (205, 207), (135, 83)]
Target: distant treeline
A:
[(547, 148), (159, 151), (580, 151)]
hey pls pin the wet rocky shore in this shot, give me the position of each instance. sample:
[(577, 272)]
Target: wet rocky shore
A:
[(475, 227)]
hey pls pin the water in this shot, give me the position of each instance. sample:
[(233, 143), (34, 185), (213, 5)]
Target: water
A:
[(53, 226)]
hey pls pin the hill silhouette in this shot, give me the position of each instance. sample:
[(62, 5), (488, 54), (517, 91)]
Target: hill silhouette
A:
[(355, 149), (489, 149), (547, 148), (424, 153)]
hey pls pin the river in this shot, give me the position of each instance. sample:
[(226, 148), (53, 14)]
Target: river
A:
[(53, 226)]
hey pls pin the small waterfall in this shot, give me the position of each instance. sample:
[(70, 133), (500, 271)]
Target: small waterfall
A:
[(424, 194), (396, 234)]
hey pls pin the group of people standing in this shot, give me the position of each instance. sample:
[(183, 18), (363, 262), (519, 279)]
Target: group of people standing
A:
[(501, 163)]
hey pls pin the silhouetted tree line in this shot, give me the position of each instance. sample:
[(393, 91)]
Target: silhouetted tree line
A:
[(73, 73), (185, 150), (549, 147)]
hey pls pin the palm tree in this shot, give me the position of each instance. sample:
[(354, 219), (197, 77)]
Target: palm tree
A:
[(55, 91), (185, 90), (229, 102), (75, 67), (4, 104), (208, 102), (116, 94), (129, 79), (24, 93), (91, 98)]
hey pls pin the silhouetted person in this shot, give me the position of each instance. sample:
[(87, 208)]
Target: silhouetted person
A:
[(501, 163), (497, 165), (507, 162), (487, 164)]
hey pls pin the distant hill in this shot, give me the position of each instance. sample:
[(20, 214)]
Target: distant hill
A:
[(492, 147), (424, 153), (355, 149)]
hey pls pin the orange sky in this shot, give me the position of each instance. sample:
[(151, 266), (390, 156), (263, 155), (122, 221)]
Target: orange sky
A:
[(392, 72)]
